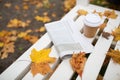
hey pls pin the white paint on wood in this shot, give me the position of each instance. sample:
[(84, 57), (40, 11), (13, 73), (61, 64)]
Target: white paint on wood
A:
[(113, 69), (63, 72), (96, 59)]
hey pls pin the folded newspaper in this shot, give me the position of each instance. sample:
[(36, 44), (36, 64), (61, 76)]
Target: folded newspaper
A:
[(67, 39)]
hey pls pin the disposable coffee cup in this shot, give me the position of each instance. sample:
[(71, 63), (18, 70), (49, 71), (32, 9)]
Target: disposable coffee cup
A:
[(91, 23)]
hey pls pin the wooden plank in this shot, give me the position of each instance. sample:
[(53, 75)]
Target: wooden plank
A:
[(63, 72), (78, 78), (113, 69), (96, 59), (21, 66), (29, 75)]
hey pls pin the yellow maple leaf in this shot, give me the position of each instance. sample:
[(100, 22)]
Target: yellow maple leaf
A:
[(42, 19), (22, 34), (41, 56), (41, 29)]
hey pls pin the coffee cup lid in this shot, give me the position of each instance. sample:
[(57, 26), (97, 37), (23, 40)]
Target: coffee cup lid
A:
[(92, 20)]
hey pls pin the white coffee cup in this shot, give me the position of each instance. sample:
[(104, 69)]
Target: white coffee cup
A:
[(91, 23)]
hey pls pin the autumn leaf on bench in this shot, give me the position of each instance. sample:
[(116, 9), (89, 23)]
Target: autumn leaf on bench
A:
[(115, 55), (40, 61), (41, 56), (116, 34), (78, 62)]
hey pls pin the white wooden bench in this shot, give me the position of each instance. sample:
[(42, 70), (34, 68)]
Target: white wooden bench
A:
[(20, 69)]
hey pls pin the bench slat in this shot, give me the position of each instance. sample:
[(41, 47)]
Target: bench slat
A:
[(113, 70), (96, 59), (63, 72)]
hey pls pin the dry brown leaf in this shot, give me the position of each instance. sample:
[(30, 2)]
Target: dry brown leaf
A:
[(25, 7), (17, 7), (39, 5), (41, 29), (43, 19), (17, 23), (8, 48), (82, 12), (41, 61), (110, 14), (46, 3), (1, 17), (42, 68), (8, 5), (116, 34), (53, 15), (77, 62), (115, 55), (68, 4), (106, 35), (30, 38)]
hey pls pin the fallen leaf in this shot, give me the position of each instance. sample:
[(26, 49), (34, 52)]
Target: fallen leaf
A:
[(110, 14), (41, 29), (68, 4), (39, 5), (78, 62), (40, 61), (53, 15), (82, 12), (41, 56), (17, 7), (1, 44), (106, 35), (46, 3), (30, 38), (43, 19), (116, 34), (115, 55), (42, 68), (1, 17), (25, 7), (22, 34), (8, 48), (17, 23), (8, 5)]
